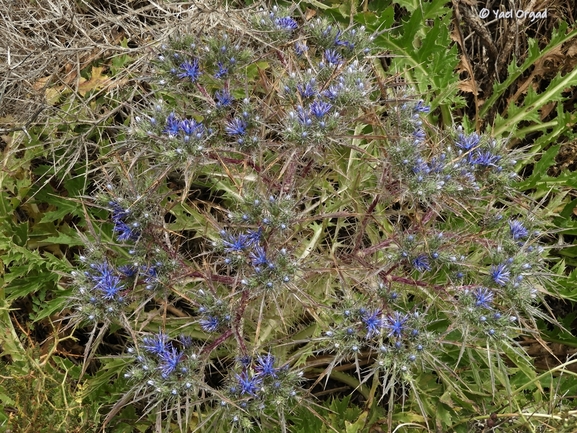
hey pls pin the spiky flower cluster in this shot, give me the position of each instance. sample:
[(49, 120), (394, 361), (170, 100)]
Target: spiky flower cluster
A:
[(282, 211), (257, 387), (164, 368), (462, 166)]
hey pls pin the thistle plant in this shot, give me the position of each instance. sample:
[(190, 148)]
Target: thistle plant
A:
[(271, 212)]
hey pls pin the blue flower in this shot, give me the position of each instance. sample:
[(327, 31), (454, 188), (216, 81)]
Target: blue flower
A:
[(222, 71), (286, 23), (223, 98), (300, 48), (128, 270), (234, 244), (157, 344), (331, 93), (236, 127), (190, 70), (518, 230), (209, 323), (342, 43), (307, 90), (483, 297), (126, 232), (419, 135), (395, 323), (248, 385), (333, 58), (303, 116), (118, 212), (169, 360), (468, 142), (191, 127), (421, 263), (172, 125), (254, 236), (107, 282), (258, 256), (185, 340), (320, 109), (373, 322), (265, 366), (485, 159), (420, 107), (500, 274)]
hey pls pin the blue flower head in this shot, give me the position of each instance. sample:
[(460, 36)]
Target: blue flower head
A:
[(483, 297), (307, 89), (258, 256), (421, 263), (300, 48), (191, 127), (265, 366), (236, 127), (320, 109), (157, 344), (373, 322), (190, 70), (107, 281), (419, 135), (126, 232), (172, 125), (254, 236), (169, 360), (223, 98), (468, 142), (343, 43), (222, 71), (395, 323), (234, 244), (484, 159), (333, 58), (210, 323), (500, 274), (286, 24), (248, 385), (518, 230), (420, 107), (303, 117)]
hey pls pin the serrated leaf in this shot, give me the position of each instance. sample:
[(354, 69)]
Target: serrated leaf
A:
[(533, 102), (558, 38), (64, 207), (54, 306), (357, 425), (63, 239)]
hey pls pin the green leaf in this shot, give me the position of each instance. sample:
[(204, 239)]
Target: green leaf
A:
[(64, 207), (559, 37)]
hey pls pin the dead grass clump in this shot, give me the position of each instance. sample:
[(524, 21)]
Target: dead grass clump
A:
[(45, 44)]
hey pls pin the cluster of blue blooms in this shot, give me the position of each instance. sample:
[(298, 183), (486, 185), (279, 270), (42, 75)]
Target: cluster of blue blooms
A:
[(453, 171), (165, 368), (108, 284), (395, 338), (259, 387), (255, 122), (321, 92)]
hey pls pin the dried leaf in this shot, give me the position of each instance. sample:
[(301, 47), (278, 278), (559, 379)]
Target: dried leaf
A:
[(96, 81), (546, 109), (468, 86), (310, 13)]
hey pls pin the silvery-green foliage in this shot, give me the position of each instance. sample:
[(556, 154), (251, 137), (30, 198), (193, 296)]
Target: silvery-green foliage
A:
[(331, 220)]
